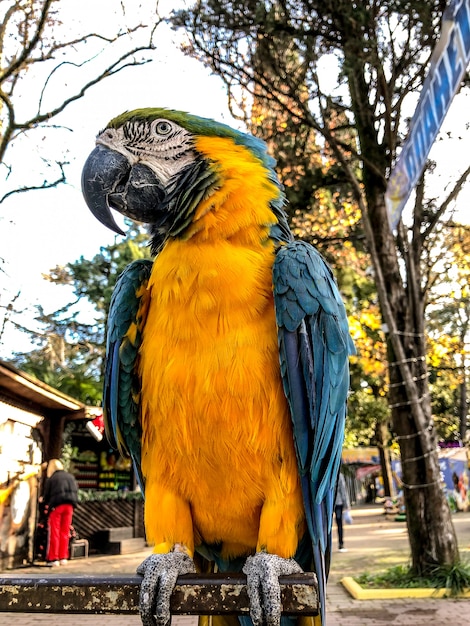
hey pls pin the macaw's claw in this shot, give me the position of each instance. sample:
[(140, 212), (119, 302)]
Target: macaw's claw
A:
[(262, 579), (160, 572)]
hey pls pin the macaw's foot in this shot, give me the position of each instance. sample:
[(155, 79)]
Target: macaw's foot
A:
[(262, 579), (160, 572)]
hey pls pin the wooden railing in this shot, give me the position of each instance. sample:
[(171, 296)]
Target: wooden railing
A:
[(194, 594)]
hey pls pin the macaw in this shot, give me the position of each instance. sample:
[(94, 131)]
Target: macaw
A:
[(227, 358)]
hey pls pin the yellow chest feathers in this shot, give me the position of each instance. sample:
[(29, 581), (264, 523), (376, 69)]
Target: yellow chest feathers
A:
[(214, 416), (210, 340), (216, 427)]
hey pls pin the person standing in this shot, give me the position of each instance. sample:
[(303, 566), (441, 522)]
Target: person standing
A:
[(61, 497), (341, 506)]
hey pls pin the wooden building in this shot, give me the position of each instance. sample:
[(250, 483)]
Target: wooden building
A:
[(32, 419)]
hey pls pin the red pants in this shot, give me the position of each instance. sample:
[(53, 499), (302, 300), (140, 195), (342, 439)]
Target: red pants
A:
[(60, 520)]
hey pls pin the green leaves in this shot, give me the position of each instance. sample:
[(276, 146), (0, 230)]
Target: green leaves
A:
[(70, 343)]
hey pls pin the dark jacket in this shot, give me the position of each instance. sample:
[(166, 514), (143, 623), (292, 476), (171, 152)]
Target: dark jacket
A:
[(60, 488)]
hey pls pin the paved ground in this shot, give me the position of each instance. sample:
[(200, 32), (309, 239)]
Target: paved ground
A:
[(373, 542)]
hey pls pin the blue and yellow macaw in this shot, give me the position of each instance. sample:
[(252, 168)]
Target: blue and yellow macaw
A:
[(227, 358)]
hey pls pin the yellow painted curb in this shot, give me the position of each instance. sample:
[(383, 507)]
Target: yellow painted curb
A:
[(359, 593)]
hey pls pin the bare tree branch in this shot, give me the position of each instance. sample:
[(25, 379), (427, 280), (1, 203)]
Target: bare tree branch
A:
[(27, 50), (45, 185), (450, 198), (9, 127), (109, 71), (37, 45), (9, 311), (84, 39)]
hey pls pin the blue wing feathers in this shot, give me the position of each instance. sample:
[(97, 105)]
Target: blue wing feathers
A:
[(333, 335), (294, 384), (122, 385), (110, 399), (314, 348)]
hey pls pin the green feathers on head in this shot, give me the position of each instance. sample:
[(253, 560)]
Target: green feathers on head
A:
[(198, 126)]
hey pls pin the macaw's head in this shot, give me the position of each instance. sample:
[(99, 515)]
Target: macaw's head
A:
[(156, 166)]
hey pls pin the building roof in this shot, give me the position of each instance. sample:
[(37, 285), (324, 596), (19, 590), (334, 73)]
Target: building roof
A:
[(29, 393)]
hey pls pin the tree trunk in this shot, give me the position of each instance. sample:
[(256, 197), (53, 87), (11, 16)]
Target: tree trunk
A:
[(382, 436), (430, 529), (432, 536), (431, 532)]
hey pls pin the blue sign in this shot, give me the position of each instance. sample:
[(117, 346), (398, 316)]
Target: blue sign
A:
[(449, 61)]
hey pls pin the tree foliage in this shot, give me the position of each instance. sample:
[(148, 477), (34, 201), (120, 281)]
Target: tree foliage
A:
[(70, 351), (448, 310), (68, 355)]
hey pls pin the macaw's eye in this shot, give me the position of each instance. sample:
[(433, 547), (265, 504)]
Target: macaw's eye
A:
[(163, 127)]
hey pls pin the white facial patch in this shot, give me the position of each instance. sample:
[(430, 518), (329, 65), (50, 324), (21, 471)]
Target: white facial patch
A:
[(162, 145)]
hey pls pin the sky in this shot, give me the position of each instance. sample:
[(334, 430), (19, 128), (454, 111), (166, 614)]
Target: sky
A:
[(42, 229)]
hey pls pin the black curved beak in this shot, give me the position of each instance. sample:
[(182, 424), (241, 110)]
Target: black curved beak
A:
[(103, 172)]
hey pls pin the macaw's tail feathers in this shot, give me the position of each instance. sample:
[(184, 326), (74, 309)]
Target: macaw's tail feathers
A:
[(220, 620), (321, 570), (314, 556)]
